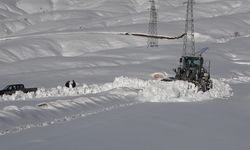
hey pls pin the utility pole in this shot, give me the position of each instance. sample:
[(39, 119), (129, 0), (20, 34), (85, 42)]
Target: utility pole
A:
[(189, 43), (152, 27)]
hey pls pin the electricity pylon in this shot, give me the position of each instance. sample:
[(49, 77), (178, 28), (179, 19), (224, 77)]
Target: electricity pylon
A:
[(189, 43), (152, 27)]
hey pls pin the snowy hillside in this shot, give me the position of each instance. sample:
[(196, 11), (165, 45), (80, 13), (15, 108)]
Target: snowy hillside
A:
[(117, 105)]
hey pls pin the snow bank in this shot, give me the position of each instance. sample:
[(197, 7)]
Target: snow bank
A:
[(177, 91), (148, 90)]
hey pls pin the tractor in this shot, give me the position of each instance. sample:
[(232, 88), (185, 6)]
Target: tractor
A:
[(192, 69)]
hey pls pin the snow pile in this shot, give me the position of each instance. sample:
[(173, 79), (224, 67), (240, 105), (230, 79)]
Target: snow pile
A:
[(176, 91), (148, 90)]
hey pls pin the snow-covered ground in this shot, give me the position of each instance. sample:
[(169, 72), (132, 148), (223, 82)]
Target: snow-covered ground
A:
[(117, 105)]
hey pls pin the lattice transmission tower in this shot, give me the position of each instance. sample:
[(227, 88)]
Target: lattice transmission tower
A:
[(189, 43), (152, 27)]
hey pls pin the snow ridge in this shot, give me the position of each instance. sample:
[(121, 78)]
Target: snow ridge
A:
[(148, 90)]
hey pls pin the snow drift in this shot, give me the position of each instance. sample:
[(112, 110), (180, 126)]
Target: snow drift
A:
[(149, 91)]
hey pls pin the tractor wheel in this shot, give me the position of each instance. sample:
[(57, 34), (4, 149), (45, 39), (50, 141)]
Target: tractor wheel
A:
[(203, 86)]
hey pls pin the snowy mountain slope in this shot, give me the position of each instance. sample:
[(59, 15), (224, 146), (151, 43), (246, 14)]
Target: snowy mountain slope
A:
[(44, 43)]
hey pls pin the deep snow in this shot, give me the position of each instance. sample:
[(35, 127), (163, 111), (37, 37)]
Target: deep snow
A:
[(44, 43)]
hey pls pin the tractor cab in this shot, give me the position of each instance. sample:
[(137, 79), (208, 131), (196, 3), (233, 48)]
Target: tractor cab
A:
[(192, 69), (191, 62)]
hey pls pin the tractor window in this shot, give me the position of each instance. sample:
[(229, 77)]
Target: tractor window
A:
[(197, 62), (193, 62)]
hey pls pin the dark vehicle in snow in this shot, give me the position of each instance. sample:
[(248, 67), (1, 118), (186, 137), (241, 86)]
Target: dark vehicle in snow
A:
[(192, 69), (12, 89)]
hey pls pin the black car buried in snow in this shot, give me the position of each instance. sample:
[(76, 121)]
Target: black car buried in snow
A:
[(12, 89)]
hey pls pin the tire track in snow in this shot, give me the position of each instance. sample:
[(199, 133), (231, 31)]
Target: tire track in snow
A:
[(61, 120)]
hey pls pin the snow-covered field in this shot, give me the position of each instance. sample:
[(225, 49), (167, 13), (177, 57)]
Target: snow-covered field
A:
[(116, 104)]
